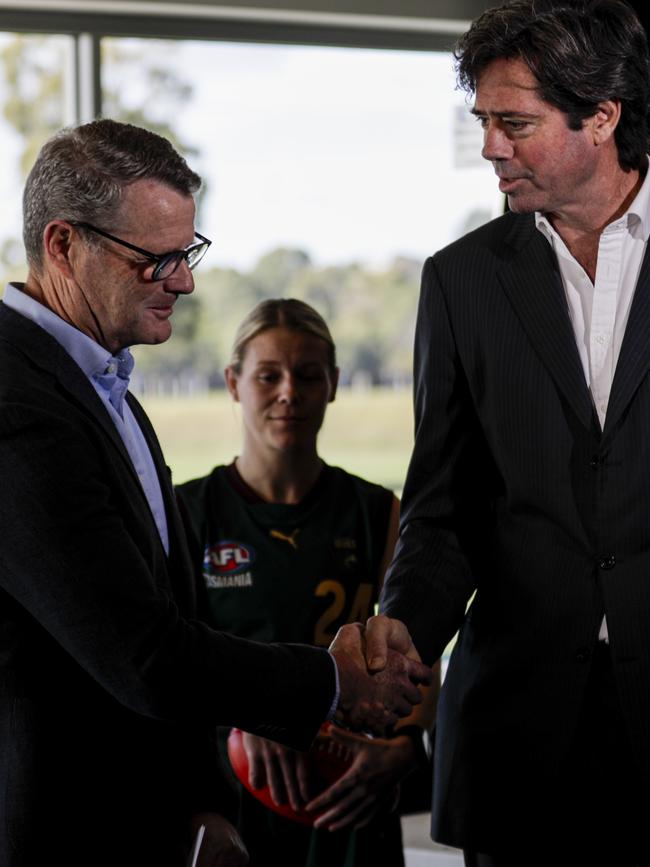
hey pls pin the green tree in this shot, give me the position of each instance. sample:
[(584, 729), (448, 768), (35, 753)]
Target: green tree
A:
[(370, 312), (33, 71)]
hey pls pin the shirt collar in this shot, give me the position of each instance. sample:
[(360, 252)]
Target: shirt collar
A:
[(92, 358), (638, 213)]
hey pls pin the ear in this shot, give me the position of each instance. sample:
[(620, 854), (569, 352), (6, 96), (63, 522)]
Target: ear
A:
[(231, 383), (335, 383), (57, 243), (604, 121)]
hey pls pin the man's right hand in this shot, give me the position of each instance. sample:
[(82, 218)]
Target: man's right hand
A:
[(375, 701)]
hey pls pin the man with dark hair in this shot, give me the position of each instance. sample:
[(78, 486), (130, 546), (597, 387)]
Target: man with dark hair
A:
[(578, 61), (109, 686), (529, 487)]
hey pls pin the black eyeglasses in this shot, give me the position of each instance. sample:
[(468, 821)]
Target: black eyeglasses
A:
[(167, 263)]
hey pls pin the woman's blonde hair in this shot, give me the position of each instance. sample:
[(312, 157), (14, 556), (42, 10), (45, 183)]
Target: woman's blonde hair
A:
[(280, 313)]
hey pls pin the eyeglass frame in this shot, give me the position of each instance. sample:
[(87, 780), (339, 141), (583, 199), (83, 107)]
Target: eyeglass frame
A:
[(160, 258)]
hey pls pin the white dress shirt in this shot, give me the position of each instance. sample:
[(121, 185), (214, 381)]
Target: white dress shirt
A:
[(599, 311)]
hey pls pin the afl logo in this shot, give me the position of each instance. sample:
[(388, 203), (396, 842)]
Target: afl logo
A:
[(228, 558)]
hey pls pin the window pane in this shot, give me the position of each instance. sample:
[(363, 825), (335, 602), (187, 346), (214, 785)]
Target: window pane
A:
[(330, 175), (35, 89), (348, 154)]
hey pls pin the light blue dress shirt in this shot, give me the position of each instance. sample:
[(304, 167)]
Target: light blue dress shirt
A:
[(109, 377)]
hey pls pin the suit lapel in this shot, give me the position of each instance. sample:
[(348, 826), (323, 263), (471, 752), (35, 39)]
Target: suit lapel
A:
[(45, 352), (634, 358), (75, 382), (48, 354), (180, 563), (162, 471), (533, 285)]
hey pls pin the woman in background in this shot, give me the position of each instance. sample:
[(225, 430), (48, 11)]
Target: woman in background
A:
[(290, 549)]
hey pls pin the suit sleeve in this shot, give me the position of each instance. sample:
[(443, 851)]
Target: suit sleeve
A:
[(444, 506), (73, 558)]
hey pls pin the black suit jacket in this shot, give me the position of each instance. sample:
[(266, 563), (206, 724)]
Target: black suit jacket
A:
[(513, 492), (108, 686)]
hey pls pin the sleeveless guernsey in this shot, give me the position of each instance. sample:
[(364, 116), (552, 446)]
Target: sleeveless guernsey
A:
[(277, 572)]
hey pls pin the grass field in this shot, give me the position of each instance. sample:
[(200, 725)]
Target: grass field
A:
[(369, 433)]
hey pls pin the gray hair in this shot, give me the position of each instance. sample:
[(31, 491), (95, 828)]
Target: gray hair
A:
[(82, 172)]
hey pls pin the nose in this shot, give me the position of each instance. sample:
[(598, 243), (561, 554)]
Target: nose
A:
[(496, 144), (181, 281), (288, 390)]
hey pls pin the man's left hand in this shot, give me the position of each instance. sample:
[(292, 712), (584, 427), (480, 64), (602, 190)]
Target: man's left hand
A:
[(369, 786)]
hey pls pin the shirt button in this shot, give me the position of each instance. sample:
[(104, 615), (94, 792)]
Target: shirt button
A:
[(600, 339), (607, 562)]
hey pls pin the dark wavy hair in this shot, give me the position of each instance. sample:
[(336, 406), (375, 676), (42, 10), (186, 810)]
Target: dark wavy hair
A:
[(82, 172), (582, 53)]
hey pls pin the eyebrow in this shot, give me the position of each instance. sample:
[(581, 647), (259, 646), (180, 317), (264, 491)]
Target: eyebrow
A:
[(477, 112), (277, 363)]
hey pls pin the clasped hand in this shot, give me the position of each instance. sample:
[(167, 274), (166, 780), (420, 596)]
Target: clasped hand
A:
[(379, 677), (379, 674)]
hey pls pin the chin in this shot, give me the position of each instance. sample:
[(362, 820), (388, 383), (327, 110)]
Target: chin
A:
[(523, 205), (289, 444), (286, 444), (153, 338)]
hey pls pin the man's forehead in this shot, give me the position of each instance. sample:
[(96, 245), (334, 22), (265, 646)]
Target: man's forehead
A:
[(152, 191), (506, 85), (514, 70), (153, 206)]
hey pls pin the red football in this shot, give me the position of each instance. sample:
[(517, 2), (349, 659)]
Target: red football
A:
[(328, 761)]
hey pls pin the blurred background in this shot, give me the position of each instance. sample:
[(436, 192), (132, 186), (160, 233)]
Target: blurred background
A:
[(336, 155)]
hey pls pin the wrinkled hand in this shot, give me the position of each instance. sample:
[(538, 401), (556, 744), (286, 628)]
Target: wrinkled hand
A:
[(376, 701), (370, 785), (384, 633), (221, 845), (285, 770)]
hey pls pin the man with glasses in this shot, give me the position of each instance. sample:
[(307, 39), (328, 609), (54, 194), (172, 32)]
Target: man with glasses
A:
[(109, 686), (165, 264)]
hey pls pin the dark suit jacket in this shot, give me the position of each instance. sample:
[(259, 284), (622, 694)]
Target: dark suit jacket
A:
[(107, 685), (514, 492)]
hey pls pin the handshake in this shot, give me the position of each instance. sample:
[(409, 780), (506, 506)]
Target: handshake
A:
[(379, 674)]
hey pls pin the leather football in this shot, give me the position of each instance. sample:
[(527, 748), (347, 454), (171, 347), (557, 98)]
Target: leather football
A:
[(328, 760)]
